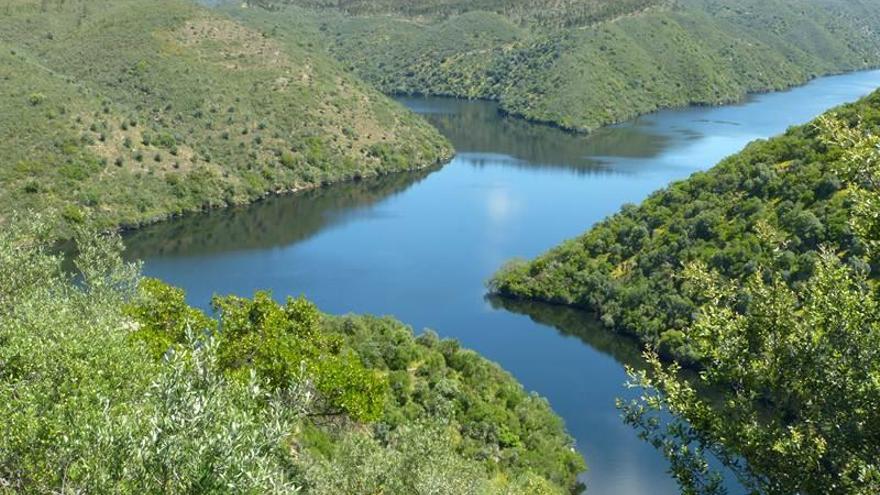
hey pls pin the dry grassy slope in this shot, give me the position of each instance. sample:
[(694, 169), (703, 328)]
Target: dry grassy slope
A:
[(127, 112)]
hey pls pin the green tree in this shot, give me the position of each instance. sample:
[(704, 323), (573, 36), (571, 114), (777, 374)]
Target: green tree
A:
[(163, 317), (284, 342), (83, 407)]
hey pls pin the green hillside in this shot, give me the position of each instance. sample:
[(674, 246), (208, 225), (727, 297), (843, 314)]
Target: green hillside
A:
[(625, 268), (550, 14), (110, 383), (594, 62), (126, 112)]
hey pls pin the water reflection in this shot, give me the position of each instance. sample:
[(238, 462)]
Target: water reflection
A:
[(577, 323), (660, 427), (477, 128), (274, 222)]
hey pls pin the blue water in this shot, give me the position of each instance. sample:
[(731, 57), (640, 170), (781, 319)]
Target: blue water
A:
[(421, 246)]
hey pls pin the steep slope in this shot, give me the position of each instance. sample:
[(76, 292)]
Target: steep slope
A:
[(126, 112), (771, 207), (557, 13), (581, 71)]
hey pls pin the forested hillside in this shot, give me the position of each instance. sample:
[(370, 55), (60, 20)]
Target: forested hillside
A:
[(583, 64), (627, 267), (558, 13), (126, 112), (110, 383)]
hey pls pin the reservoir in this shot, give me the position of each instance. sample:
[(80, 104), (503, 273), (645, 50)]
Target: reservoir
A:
[(420, 246)]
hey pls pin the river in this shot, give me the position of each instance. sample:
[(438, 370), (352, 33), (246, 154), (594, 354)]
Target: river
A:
[(421, 246)]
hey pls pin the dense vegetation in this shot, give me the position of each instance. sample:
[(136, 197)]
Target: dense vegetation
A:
[(110, 383), (761, 271), (125, 112), (626, 267), (796, 370), (583, 64)]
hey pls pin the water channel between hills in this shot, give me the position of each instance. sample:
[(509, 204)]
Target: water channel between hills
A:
[(421, 246)]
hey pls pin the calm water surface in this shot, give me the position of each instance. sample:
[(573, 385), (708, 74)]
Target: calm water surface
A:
[(421, 246)]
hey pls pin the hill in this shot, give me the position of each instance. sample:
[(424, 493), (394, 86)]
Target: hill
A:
[(110, 383), (584, 64), (626, 267), (125, 112)]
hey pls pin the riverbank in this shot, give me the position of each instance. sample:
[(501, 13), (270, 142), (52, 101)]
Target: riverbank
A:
[(128, 228), (629, 268)]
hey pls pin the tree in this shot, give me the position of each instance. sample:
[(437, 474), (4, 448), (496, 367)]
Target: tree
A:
[(282, 344)]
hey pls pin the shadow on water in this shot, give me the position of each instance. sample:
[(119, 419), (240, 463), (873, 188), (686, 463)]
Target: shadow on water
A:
[(477, 128), (276, 222), (573, 322), (577, 323)]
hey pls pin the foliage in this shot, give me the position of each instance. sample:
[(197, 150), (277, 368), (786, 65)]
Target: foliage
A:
[(196, 432), (280, 344), (784, 192), (800, 370), (164, 318), (494, 420), (581, 64), (105, 116), (110, 383), (859, 165), (278, 341), (419, 463), (85, 409)]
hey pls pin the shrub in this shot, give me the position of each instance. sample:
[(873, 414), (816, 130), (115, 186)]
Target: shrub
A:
[(36, 99), (288, 159)]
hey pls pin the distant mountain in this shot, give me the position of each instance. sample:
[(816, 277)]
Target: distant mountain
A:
[(580, 64), (547, 13)]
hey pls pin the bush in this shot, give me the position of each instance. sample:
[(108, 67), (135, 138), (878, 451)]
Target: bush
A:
[(73, 214), (36, 99)]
